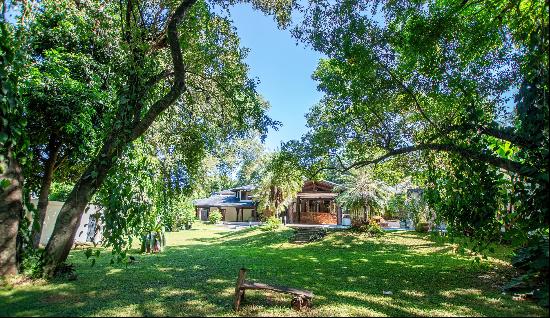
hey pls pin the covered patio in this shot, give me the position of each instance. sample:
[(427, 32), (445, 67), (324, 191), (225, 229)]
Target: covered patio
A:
[(315, 205)]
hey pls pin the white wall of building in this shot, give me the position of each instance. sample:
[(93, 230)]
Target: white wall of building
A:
[(52, 212)]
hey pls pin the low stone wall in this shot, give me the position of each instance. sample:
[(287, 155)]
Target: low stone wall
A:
[(316, 218)]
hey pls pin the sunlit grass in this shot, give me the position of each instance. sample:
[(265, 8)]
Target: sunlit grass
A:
[(348, 273)]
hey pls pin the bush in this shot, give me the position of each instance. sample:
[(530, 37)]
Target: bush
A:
[(180, 215), (532, 261), (187, 220), (271, 224), (375, 230), (422, 227), (31, 265), (369, 227), (215, 217)]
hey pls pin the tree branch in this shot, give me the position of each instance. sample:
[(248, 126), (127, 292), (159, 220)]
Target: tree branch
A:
[(504, 163), (178, 86)]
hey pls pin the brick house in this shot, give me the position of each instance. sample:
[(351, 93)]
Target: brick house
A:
[(315, 204)]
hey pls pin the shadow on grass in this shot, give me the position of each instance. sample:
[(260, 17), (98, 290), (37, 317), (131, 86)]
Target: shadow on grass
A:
[(346, 272)]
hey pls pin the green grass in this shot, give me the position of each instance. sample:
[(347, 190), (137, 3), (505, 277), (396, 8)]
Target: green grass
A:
[(195, 276)]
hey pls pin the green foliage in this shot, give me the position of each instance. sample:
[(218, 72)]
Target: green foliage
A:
[(397, 207), (368, 226), (281, 180), (68, 87), (533, 262), (272, 224), (59, 191), (362, 190), (12, 60), (474, 199), (179, 214), (130, 198), (438, 82), (31, 266), (215, 217), (420, 212)]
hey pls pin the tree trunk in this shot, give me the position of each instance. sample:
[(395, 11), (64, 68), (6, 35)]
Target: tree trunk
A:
[(11, 209), (49, 167), (68, 220)]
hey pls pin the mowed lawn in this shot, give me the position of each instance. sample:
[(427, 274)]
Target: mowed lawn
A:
[(348, 273)]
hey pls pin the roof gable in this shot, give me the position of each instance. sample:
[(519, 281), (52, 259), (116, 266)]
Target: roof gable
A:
[(318, 186)]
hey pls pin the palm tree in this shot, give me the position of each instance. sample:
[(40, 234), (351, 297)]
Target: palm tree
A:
[(363, 193), (280, 181)]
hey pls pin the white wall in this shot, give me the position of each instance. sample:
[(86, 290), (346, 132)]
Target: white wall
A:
[(230, 214), (247, 215), (51, 216)]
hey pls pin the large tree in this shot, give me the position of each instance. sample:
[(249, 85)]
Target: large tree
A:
[(67, 91), (171, 54), (464, 78), (172, 49)]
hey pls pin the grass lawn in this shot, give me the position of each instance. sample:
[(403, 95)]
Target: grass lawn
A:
[(196, 275)]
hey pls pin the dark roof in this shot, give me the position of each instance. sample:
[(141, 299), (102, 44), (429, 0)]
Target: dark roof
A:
[(223, 200), (225, 192), (249, 187)]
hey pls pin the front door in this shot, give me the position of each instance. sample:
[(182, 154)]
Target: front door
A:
[(204, 214)]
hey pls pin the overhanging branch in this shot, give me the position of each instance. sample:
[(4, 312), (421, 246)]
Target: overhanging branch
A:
[(504, 163), (178, 86)]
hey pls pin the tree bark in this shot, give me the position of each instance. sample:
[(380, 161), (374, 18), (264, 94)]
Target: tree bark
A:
[(49, 168), (11, 210)]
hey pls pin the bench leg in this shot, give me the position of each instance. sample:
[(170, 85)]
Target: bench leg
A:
[(239, 293), (299, 303), (238, 298)]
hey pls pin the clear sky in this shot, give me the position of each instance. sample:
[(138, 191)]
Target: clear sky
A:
[(283, 68)]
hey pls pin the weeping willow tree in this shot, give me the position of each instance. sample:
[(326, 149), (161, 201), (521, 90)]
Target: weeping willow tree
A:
[(362, 194)]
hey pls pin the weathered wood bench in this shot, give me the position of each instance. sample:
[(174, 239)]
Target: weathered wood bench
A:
[(301, 298)]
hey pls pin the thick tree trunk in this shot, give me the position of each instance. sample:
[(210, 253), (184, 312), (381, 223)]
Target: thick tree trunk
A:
[(68, 220), (49, 168), (11, 209)]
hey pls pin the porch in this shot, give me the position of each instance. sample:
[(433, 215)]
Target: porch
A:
[(315, 208)]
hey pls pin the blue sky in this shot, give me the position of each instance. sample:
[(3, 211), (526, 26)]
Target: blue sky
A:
[(283, 68)]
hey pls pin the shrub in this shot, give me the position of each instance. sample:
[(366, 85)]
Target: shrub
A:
[(374, 229), (271, 224), (359, 225), (31, 265), (396, 207), (215, 217), (180, 215), (59, 191), (369, 227), (187, 220), (422, 227), (532, 262)]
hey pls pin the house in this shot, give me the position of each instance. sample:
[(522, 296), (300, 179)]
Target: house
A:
[(235, 205), (315, 204)]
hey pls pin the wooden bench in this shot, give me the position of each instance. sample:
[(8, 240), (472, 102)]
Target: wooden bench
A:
[(301, 298)]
